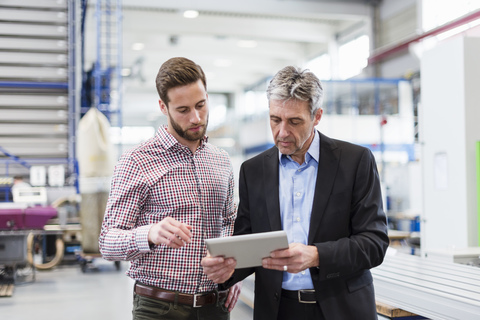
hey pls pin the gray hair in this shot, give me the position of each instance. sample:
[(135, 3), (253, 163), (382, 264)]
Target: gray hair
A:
[(295, 83)]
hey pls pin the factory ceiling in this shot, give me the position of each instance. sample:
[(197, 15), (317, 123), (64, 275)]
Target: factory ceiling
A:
[(238, 43)]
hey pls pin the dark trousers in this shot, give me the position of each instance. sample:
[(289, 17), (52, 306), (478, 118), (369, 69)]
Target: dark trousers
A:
[(148, 309), (291, 309)]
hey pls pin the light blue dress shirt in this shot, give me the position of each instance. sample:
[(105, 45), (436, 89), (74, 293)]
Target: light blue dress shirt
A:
[(296, 192)]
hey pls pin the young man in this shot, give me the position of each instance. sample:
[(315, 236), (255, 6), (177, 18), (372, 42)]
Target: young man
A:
[(167, 196), (325, 194)]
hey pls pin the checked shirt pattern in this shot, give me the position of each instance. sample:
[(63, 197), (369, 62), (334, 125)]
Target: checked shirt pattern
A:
[(161, 178)]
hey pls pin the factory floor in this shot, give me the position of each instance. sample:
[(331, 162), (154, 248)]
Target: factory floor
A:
[(65, 292)]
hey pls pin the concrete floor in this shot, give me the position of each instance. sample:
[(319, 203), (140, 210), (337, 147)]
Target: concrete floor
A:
[(68, 293)]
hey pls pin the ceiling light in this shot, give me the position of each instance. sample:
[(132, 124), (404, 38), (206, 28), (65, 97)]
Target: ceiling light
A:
[(191, 14), (138, 46), (126, 72), (246, 43)]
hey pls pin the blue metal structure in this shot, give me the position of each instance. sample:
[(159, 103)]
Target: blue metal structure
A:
[(104, 78)]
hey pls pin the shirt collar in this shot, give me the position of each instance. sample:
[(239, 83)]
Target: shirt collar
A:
[(312, 152)]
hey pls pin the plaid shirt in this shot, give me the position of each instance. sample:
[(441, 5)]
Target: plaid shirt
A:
[(161, 178)]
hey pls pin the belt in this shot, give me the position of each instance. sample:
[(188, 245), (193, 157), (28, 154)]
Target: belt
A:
[(194, 300), (302, 296)]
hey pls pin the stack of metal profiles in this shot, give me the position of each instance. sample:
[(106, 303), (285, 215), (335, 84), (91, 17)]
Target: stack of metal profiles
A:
[(36, 84), (429, 287)]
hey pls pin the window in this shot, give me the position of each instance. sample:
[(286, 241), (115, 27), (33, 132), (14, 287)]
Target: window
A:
[(353, 57), (438, 12), (320, 66)]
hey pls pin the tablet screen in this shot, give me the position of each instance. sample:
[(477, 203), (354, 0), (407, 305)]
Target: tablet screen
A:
[(248, 250)]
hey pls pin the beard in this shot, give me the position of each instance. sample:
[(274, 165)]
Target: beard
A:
[(187, 135)]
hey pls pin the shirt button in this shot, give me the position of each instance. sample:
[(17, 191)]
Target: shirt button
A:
[(298, 219), (298, 194), (303, 272)]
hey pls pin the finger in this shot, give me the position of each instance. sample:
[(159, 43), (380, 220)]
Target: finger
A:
[(209, 261), (221, 273), (231, 300), (230, 297), (236, 290), (170, 239), (233, 304), (214, 272), (185, 229), (274, 264), (179, 233), (177, 227), (221, 276), (174, 242), (283, 253), (218, 269)]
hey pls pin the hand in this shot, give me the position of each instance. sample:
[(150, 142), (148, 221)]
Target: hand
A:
[(233, 296), (170, 232), (297, 258), (218, 269)]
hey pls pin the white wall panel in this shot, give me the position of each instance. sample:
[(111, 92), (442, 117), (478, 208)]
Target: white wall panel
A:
[(449, 117)]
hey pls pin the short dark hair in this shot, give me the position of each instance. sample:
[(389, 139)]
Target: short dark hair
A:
[(177, 72)]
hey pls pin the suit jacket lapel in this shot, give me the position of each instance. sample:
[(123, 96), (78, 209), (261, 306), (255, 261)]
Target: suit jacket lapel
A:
[(270, 169), (327, 169)]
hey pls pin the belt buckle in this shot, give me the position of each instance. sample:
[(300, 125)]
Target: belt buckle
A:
[(195, 298), (300, 295)]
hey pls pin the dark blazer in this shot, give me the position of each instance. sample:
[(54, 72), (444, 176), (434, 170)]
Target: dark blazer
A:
[(348, 226)]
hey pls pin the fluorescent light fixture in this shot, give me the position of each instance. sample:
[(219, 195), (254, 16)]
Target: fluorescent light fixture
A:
[(190, 14), (138, 46), (247, 43)]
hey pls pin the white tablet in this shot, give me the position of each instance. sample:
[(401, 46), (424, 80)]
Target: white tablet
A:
[(249, 249)]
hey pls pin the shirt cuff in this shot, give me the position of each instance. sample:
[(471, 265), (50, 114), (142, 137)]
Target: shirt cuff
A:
[(141, 238)]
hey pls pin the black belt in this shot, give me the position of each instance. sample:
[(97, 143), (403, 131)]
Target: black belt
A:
[(302, 296), (194, 300)]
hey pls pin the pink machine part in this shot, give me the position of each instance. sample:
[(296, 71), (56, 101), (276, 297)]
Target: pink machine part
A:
[(29, 218)]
